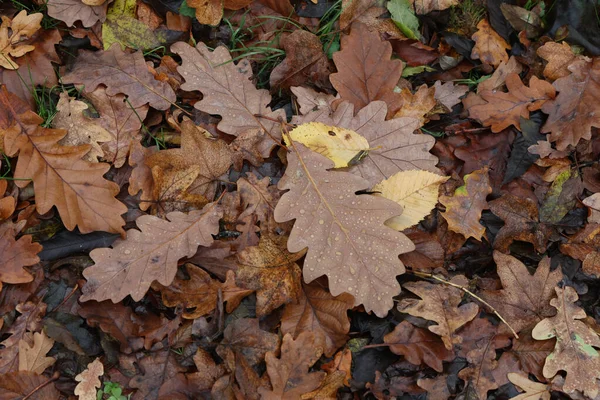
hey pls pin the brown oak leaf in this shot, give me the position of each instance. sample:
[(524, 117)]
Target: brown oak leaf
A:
[(577, 345), (531, 353), (394, 145), (521, 222), (449, 94), (463, 210), (61, 178), (120, 72), (344, 232), (524, 299), (22, 28), (149, 254), (89, 381), (489, 47), (27, 384), (427, 6), (228, 91), (70, 11), (33, 357), (559, 57), (289, 374), (157, 368), (319, 312), (366, 71), (498, 78), (208, 12), (29, 321), (417, 105), (418, 346), (258, 198), (16, 254), (141, 176), (440, 303), (245, 336)]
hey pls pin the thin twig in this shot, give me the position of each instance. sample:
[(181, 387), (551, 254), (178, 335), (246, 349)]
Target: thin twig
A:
[(467, 291)]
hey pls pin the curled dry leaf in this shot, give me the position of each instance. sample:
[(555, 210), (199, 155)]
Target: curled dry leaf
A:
[(366, 71), (61, 178), (88, 381), (22, 27), (131, 265), (393, 144), (463, 210), (577, 345), (70, 11), (342, 146), (80, 129), (121, 72), (415, 191), (344, 232), (319, 312), (228, 91), (489, 47), (289, 374), (33, 358), (440, 303)]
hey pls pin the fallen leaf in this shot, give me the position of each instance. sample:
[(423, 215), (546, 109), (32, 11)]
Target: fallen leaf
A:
[(22, 27), (428, 254), (16, 254), (418, 346), (88, 380), (463, 210), (29, 321), (563, 195), (141, 176), (499, 76), (80, 129), (289, 374), (342, 146), (449, 94), (329, 387), (245, 336), (271, 271), (131, 265), (75, 187), (27, 384), (572, 115), (229, 92), (524, 299), (370, 13), (70, 11), (489, 47), (120, 72), (157, 368), (121, 26), (258, 198), (415, 191), (417, 105), (319, 312), (304, 63), (531, 353), (208, 12), (427, 6), (309, 100), (559, 57), (577, 345), (33, 358), (366, 71), (404, 17), (533, 390), (440, 303), (326, 209), (393, 144), (522, 19), (521, 222), (502, 110)]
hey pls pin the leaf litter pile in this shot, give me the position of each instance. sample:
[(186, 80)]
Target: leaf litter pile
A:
[(326, 199)]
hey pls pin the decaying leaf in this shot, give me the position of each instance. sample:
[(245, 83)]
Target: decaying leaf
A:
[(28, 321), (415, 191), (577, 345), (490, 47), (289, 374), (71, 11), (22, 27), (245, 336), (208, 12), (26, 384), (463, 210), (122, 27), (33, 358), (80, 129), (332, 222), (342, 146), (16, 254), (533, 390), (417, 105), (449, 94), (427, 6), (440, 303), (131, 265), (88, 381), (559, 56)]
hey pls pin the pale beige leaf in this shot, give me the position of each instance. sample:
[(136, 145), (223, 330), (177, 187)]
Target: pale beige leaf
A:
[(415, 191), (427, 6), (533, 390), (22, 27), (70, 11), (33, 358), (88, 380)]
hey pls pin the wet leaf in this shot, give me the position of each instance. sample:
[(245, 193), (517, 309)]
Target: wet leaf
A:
[(490, 47)]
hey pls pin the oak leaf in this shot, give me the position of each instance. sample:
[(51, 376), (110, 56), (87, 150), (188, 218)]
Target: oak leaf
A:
[(121, 72), (319, 312), (27, 384), (70, 11), (258, 198), (498, 78), (572, 114), (141, 176), (417, 105), (16, 254), (559, 57), (157, 368), (29, 321), (533, 390), (310, 100), (22, 27), (33, 358), (521, 222), (531, 353), (208, 12), (332, 221), (577, 345), (440, 303), (418, 346), (437, 388), (342, 146), (524, 299), (449, 94), (463, 210), (289, 374), (427, 6), (271, 271), (366, 71), (245, 336), (80, 129), (228, 91), (415, 191), (502, 110), (122, 27), (88, 380), (131, 265), (394, 145), (61, 178), (489, 47)]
